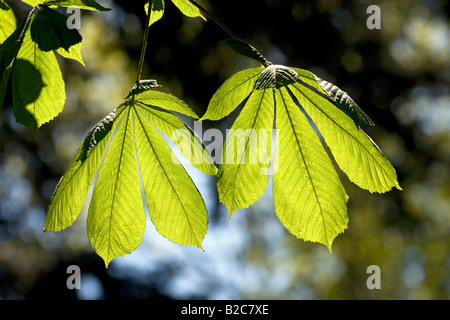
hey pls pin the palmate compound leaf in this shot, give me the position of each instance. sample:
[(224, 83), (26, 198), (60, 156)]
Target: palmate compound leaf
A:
[(309, 198), (133, 151)]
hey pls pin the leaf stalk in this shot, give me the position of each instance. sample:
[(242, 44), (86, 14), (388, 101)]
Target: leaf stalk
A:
[(144, 42)]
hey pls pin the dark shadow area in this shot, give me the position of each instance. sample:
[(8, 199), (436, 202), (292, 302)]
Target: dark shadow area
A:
[(27, 85)]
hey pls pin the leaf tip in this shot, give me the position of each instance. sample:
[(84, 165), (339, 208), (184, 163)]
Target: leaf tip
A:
[(244, 49), (107, 262), (329, 245)]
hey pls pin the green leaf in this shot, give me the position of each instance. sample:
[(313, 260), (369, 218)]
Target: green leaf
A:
[(175, 205), (158, 7), (242, 176), (71, 191), (7, 21), (188, 9), (345, 102), (184, 138), (245, 49), (37, 85), (49, 30), (276, 76), (142, 86), (166, 102), (157, 10), (116, 216), (353, 151), (156, 105), (231, 94), (82, 4), (73, 53), (137, 170), (95, 135), (309, 197)]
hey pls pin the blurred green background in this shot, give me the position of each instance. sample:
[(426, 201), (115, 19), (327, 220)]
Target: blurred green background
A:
[(398, 74)]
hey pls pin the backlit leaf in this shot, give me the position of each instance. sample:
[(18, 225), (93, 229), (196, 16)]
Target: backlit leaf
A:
[(137, 171), (355, 154), (242, 176), (72, 189), (116, 216), (188, 9), (157, 10), (231, 94), (309, 197), (7, 21), (158, 7), (37, 85), (175, 205), (74, 53), (165, 101), (184, 138)]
